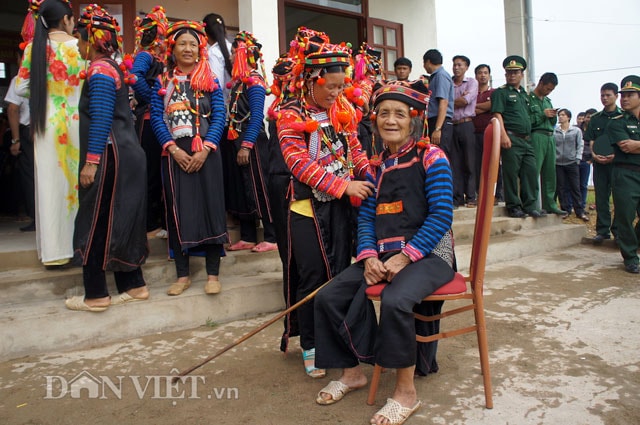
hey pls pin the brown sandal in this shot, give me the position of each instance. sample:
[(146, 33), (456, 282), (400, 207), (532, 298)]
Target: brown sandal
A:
[(178, 288)]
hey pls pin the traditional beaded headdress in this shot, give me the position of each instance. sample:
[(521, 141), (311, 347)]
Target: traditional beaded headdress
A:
[(246, 60), (201, 76), (311, 52), (415, 93), (101, 28), (156, 18)]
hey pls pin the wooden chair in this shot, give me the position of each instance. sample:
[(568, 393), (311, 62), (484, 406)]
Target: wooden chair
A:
[(458, 289)]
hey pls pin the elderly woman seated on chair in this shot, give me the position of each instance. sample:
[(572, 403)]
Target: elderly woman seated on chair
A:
[(405, 240)]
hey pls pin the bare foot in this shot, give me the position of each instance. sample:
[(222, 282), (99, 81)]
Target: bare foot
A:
[(353, 378)]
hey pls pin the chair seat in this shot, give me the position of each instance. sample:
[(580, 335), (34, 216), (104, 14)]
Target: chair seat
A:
[(456, 286)]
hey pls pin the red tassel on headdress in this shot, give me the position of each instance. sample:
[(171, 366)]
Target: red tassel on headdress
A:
[(201, 76), (232, 134), (240, 67), (28, 29)]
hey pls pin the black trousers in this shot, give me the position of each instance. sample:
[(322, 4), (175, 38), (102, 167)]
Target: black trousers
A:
[(465, 140), (346, 328), (93, 274), (212, 252), (26, 171), (307, 254), (453, 154), (153, 152), (568, 182)]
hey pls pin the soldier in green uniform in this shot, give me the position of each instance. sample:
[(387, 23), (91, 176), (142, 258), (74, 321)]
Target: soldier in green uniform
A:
[(543, 120), (510, 105), (624, 133), (602, 154)]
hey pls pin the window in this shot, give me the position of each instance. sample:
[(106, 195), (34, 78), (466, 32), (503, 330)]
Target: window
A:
[(386, 37), (347, 5)]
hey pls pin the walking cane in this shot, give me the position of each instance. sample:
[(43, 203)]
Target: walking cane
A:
[(252, 333)]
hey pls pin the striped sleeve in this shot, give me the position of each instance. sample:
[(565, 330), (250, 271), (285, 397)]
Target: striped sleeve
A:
[(217, 120), (256, 95), (160, 128), (438, 188), (302, 166), (367, 241), (141, 65), (102, 103)]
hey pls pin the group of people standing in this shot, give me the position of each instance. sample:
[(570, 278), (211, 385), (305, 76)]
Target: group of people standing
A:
[(199, 104)]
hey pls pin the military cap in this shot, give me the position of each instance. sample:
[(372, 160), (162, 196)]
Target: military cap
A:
[(630, 83), (514, 62)]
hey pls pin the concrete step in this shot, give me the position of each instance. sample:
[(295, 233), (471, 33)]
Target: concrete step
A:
[(39, 326), (27, 284), (463, 229), (18, 249), (520, 244)]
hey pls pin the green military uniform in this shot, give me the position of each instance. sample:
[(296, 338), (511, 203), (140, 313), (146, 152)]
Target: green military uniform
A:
[(597, 132), (544, 147), (626, 179), (518, 162)]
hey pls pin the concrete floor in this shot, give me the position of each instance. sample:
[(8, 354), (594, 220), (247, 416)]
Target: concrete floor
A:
[(563, 337)]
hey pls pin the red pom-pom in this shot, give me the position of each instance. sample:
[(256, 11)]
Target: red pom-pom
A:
[(22, 45), (355, 201), (347, 80), (373, 116), (414, 113), (132, 79), (423, 143), (344, 117), (357, 92), (322, 81), (122, 67), (311, 125), (83, 74), (375, 160), (162, 92), (360, 102), (229, 84), (297, 126)]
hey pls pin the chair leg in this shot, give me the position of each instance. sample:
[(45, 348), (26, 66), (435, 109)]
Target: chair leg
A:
[(483, 349), (373, 388)]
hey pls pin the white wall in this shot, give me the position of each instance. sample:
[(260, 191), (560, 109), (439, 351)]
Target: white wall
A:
[(418, 19), (194, 10)]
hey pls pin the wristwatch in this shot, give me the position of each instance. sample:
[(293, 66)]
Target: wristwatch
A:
[(14, 141), (437, 129)]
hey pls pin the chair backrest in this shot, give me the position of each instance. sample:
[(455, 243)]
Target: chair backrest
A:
[(486, 197)]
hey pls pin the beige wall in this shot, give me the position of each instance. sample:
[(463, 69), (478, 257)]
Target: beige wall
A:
[(194, 9), (419, 26)]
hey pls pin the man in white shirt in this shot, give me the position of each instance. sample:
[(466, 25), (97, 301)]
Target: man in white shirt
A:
[(22, 147)]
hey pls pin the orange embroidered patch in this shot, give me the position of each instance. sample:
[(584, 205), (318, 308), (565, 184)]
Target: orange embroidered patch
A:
[(390, 208)]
